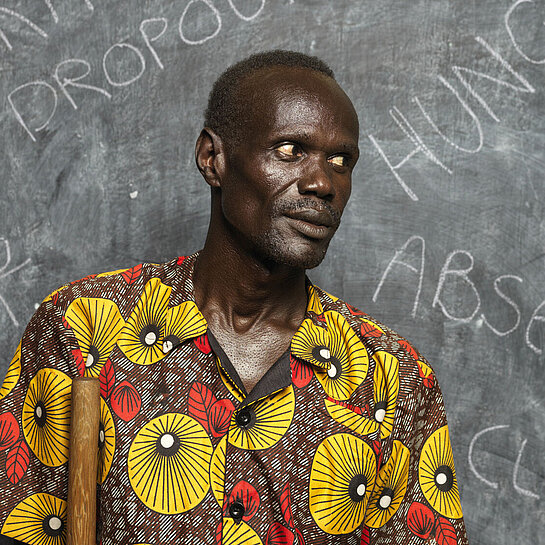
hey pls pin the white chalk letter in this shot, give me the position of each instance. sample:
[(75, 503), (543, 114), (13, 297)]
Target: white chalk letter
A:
[(140, 57), (216, 14), (509, 301), (470, 454), (23, 19), (53, 11), (247, 17), (396, 260), (456, 273), (535, 318), (511, 35), (419, 146), (149, 39), (18, 115), (71, 82), (525, 88), (519, 489), (466, 108)]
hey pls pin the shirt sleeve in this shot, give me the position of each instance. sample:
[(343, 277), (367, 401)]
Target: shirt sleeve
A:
[(416, 493), (34, 430)]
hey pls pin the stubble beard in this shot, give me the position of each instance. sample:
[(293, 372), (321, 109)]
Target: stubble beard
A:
[(276, 248)]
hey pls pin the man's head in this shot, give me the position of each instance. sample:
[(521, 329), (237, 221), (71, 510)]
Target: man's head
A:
[(278, 149)]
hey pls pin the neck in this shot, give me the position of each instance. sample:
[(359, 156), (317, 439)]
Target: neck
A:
[(237, 290)]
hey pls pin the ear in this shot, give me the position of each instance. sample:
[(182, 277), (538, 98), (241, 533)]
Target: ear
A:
[(210, 157)]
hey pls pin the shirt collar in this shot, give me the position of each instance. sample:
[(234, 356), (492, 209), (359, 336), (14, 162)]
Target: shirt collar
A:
[(311, 337)]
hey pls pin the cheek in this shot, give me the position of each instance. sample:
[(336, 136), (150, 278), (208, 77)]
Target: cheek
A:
[(246, 206)]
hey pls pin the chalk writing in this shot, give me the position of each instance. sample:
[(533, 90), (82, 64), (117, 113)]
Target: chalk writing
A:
[(459, 279), (462, 274), (516, 45), (5, 271), (216, 14), (461, 73), (397, 260), (247, 17), (23, 19), (149, 39), (72, 81), (127, 57), (123, 46), (470, 454), (536, 318), (470, 458)]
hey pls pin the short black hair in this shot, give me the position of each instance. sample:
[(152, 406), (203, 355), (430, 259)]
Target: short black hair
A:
[(224, 111)]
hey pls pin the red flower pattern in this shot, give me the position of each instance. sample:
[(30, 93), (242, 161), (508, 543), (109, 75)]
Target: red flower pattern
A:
[(219, 416), (9, 431), (420, 520), (125, 401), (17, 461), (278, 534), (301, 372)]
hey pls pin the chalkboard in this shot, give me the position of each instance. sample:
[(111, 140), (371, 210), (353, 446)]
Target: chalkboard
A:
[(444, 238)]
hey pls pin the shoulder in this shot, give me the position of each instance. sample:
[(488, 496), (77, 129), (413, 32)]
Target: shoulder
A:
[(123, 286), (382, 342)]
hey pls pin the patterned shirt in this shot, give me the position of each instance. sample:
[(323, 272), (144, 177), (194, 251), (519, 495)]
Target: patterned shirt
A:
[(344, 440)]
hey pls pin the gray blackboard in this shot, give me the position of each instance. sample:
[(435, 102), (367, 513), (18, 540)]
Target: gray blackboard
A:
[(444, 238)]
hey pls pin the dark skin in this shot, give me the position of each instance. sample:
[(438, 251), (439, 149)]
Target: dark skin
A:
[(277, 198)]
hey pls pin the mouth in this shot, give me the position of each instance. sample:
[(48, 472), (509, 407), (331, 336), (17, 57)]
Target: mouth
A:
[(312, 223)]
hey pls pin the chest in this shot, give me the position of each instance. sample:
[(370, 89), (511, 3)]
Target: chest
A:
[(252, 354)]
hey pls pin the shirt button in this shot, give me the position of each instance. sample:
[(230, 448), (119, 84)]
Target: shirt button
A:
[(243, 418), (236, 510)]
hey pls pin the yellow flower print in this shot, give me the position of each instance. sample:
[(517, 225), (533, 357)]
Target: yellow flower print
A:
[(314, 304), (39, 519), (13, 374), (46, 416), (106, 441), (262, 424), (142, 337), (96, 324), (341, 480), (390, 487), (347, 357), (386, 390), (183, 322), (238, 533), (169, 463), (217, 471), (437, 476), (311, 343), (351, 417)]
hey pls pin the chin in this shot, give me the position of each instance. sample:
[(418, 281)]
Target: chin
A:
[(293, 253)]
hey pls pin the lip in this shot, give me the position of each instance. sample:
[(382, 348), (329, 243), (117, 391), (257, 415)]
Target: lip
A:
[(318, 218), (311, 223)]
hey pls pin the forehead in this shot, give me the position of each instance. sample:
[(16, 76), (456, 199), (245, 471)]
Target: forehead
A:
[(281, 99)]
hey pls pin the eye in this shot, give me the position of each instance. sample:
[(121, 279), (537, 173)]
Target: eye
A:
[(339, 160), (290, 150)]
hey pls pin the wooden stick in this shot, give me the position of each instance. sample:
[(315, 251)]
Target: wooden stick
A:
[(83, 462)]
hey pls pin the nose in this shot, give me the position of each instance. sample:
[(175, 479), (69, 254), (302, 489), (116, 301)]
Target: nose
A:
[(317, 179)]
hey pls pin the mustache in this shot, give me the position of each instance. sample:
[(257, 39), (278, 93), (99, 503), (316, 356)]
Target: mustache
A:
[(306, 203)]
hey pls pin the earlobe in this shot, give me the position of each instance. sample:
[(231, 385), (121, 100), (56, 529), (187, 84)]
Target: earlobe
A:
[(210, 157)]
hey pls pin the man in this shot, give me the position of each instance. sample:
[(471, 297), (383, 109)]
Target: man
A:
[(241, 404)]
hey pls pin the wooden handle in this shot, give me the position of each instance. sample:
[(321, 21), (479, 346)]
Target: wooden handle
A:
[(83, 462)]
